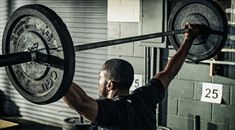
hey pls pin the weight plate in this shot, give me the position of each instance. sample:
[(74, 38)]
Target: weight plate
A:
[(204, 12), (38, 28)]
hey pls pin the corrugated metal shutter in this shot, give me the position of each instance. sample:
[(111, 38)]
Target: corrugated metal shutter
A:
[(3, 20), (4, 100), (87, 22)]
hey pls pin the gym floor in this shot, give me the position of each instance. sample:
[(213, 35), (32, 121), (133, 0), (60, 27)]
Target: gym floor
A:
[(14, 123)]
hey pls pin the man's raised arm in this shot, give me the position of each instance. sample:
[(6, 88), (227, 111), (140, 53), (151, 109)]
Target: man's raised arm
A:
[(175, 63)]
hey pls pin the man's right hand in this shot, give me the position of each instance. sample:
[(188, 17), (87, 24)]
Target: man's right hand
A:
[(192, 33)]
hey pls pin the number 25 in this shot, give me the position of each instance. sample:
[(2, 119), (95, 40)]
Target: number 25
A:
[(212, 92)]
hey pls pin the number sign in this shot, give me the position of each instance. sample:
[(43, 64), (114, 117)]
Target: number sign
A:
[(138, 82), (212, 92)]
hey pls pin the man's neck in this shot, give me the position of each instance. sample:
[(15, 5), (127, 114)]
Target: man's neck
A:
[(114, 93)]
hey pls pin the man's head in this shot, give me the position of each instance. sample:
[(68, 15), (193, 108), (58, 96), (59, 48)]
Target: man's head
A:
[(115, 74)]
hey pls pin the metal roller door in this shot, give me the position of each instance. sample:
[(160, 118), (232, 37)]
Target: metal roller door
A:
[(87, 22)]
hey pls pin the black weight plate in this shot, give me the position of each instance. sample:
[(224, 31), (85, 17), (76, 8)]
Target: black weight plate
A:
[(205, 12), (36, 27)]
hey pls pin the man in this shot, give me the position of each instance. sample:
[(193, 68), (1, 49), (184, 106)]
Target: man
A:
[(119, 110)]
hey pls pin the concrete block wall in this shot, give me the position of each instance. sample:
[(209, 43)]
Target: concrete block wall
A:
[(184, 93), (183, 100), (132, 52), (126, 25)]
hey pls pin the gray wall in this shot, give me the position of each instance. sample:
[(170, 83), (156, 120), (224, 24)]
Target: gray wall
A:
[(183, 101), (132, 51)]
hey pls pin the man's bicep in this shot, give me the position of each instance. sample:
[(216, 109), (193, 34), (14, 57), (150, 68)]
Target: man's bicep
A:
[(165, 77)]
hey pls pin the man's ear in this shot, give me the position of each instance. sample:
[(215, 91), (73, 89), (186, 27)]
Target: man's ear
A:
[(110, 85)]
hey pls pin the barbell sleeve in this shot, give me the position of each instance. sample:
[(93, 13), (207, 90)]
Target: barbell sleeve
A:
[(15, 58), (126, 40), (27, 56)]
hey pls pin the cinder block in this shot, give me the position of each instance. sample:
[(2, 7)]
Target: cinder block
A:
[(213, 126), (192, 107), (223, 80), (124, 10), (197, 72), (198, 91), (124, 30), (113, 56), (232, 95), (153, 20), (181, 88), (139, 51), (179, 123), (232, 128), (114, 31), (137, 62), (188, 123), (129, 29), (225, 97), (172, 105), (122, 50), (223, 114)]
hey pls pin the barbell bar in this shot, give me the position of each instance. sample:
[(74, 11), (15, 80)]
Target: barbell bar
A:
[(36, 56), (128, 39), (39, 55)]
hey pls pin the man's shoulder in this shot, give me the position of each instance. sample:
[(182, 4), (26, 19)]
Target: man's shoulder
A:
[(154, 82)]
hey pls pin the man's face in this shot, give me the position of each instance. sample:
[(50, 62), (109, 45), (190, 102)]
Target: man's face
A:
[(102, 84)]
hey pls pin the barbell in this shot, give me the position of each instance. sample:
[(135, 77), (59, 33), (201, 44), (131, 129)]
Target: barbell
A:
[(39, 55)]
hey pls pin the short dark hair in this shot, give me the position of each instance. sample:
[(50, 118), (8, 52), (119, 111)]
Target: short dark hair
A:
[(119, 71)]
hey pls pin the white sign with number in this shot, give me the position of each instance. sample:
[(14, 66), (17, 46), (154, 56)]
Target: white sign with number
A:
[(138, 82), (212, 92)]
